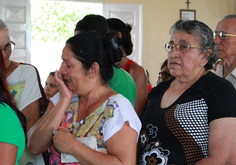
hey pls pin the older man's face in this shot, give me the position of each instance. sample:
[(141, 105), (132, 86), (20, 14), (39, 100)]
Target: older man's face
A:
[(226, 47)]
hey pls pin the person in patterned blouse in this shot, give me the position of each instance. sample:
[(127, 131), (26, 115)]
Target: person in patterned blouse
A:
[(88, 109)]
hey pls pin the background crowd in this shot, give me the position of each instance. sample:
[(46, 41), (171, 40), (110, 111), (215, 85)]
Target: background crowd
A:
[(100, 108)]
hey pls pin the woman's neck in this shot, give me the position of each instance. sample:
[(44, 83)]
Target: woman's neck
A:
[(96, 94), (123, 61), (89, 103), (13, 65), (185, 83)]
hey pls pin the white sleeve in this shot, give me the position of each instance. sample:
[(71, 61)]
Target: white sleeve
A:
[(123, 112), (31, 89), (55, 98)]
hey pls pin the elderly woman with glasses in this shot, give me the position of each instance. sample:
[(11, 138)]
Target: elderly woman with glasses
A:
[(24, 84), (190, 119)]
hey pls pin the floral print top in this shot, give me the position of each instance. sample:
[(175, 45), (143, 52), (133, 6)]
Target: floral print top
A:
[(92, 125)]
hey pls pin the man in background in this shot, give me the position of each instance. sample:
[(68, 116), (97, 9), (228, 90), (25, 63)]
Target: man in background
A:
[(225, 39)]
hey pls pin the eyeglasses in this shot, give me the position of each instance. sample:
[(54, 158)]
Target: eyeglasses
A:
[(182, 47), (9, 47), (223, 35), (164, 75)]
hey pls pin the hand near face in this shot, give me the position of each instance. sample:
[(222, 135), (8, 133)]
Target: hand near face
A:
[(64, 140), (63, 89)]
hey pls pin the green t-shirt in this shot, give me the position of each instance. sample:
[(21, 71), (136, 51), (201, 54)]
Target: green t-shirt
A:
[(11, 129), (124, 84)]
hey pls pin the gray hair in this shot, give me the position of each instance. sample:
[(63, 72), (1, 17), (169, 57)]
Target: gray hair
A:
[(3, 26), (203, 33), (230, 16)]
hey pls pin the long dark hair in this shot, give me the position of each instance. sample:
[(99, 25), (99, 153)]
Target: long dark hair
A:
[(119, 26), (5, 95)]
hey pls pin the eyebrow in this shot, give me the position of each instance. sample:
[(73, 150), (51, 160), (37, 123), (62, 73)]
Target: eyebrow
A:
[(181, 41), (65, 60), (220, 31), (6, 45)]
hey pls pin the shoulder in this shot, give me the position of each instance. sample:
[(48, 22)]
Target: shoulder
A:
[(123, 105), (219, 95), (138, 72), (28, 67), (120, 100), (216, 88), (5, 108), (137, 68), (234, 72), (123, 112), (25, 70), (121, 75), (212, 81), (9, 132), (7, 113)]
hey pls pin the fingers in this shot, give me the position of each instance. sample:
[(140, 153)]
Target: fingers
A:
[(61, 129), (58, 77), (54, 134), (59, 81)]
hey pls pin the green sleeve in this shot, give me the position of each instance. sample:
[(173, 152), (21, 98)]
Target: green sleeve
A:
[(124, 84), (11, 130)]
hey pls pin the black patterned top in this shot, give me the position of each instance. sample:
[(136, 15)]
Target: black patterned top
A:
[(178, 134)]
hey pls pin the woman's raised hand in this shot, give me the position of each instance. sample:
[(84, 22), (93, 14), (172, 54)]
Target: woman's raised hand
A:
[(65, 92)]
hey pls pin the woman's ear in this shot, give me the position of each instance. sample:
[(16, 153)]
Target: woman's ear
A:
[(93, 70), (206, 57), (207, 53)]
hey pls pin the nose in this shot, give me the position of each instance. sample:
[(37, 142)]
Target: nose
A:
[(217, 39), (174, 53), (63, 69), (4, 53), (46, 88)]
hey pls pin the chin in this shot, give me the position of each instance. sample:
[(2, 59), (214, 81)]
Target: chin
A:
[(72, 88), (221, 55)]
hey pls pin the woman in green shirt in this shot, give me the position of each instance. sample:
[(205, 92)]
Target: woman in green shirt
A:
[(12, 121)]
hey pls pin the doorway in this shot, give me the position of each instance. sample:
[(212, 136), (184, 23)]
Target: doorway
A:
[(52, 23)]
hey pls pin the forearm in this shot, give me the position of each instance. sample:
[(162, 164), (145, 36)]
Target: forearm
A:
[(211, 161), (31, 113), (40, 135), (121, 148), (8, 153), (81, 152)]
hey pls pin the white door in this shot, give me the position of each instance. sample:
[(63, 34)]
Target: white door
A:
[(133, 15), (16, 14)]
